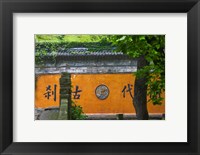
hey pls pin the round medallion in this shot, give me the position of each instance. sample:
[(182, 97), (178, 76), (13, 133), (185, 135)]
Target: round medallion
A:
[(102, 92)]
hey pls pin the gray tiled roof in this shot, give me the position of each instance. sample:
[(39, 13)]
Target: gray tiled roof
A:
[(86, 52)]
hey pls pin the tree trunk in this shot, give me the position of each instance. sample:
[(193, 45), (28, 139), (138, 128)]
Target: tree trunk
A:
[(140, 93)]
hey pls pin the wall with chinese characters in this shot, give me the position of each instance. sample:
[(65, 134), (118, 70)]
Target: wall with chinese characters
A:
[(47, 89), (96, 93)]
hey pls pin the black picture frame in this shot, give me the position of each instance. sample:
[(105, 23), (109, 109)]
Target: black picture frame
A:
[(8, 7)]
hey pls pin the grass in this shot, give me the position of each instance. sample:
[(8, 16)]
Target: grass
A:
[(69, 38)]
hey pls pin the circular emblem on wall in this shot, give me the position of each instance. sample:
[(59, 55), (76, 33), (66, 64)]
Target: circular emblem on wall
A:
[(102, 92)]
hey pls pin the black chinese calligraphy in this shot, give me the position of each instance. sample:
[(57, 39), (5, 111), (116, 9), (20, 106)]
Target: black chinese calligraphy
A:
[(127, 89), (76, 93), (50, 92)]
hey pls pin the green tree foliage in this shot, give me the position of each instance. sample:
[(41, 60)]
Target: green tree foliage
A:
[(77, 112), (51, 44), (152, 47)]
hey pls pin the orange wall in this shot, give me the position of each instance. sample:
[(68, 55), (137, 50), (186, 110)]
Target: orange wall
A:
[(114, 103), (41, 83)]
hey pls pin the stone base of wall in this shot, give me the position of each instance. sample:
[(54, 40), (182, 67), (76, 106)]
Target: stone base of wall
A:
[(122, 116), (53, 114)]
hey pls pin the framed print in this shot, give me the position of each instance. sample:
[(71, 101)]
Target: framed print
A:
[(99, 76)]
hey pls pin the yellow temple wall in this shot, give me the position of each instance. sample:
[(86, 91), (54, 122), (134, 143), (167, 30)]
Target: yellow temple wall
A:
[(87, 83)]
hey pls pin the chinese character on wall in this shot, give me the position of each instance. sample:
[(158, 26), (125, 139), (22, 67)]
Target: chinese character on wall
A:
[(76, 93), (127, 89), (50, 93)]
